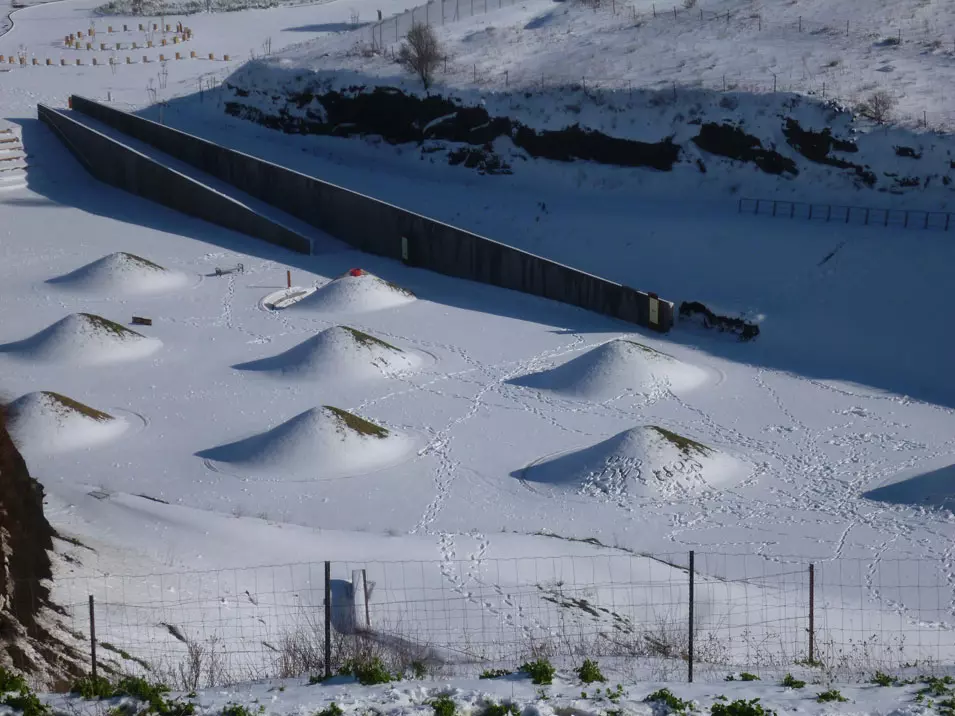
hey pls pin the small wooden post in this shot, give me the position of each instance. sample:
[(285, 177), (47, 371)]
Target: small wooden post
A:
[(93, 636), (812, 613), (328, 620), (689, 649), (288, 276), (364, 582)]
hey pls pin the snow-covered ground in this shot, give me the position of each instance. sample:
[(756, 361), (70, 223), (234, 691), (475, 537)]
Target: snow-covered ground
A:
[(567, 695), (493, 416)]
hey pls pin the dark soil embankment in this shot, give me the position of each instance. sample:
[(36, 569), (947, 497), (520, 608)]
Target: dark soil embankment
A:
[(400, 118), (26, 537)]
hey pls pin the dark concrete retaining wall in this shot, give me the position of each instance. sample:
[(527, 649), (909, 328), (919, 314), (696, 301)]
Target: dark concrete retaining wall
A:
[(123, 167), (386, 230)]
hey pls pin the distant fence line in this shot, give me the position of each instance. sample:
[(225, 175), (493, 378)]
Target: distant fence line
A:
[(387, 33), (864, 215), (670, 616), (440, 12)]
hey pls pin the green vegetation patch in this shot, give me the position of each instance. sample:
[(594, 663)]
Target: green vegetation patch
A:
[(492, 709), (10, 682), (358, 425), (111, 326), (668, 699), (741, 707), (589, 672), (541, 672), (78, 407), (494, 673), (791, 682), (830, 695), (368, 671), (685, 445), (443, 706), (92, 687), (369, 341)]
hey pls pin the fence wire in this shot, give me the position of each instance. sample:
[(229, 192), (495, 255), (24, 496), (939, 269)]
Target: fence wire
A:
[(463, 617)]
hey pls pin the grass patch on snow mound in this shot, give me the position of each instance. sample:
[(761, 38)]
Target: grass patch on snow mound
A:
[(355, 293), (615, 368), (46, 421), (85, 339), (321, 443), (339, 353), (121, 273), (643, 461)]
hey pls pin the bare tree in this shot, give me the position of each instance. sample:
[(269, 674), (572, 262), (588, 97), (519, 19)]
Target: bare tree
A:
[(878, 106), (420, 53)]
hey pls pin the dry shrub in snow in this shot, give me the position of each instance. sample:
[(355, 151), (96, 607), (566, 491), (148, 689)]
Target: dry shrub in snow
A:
[(878, 106), (421, 53)]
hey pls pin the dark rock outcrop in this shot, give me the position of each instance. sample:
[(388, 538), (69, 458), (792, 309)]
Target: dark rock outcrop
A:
[(725, 140), (401, 118)]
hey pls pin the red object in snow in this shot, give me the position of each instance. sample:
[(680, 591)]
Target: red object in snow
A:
[(355, 272)]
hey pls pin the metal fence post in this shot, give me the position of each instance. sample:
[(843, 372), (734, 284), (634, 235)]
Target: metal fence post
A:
[(93, 637), (812, 613), (328, 620), (364, 584), (689, 650)]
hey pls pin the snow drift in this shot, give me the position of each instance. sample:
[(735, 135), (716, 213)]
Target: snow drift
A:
[(122, 274), (86, 339), (355, 292), (319, 444), (935, 489), (49, 422), (613, 369), (339, 353), (645, 461)]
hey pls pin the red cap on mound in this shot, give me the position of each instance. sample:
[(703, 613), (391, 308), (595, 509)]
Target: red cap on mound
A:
[(355, 272)]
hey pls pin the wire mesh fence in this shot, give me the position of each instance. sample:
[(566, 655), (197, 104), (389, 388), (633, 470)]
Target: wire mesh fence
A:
[(844, 618)]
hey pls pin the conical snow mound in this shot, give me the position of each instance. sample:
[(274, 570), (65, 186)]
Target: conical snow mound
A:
[(121, 274), (49, 422), (84, 339), (319, 444), (355, 292), (615, 368), (339, 353), (644, 461)]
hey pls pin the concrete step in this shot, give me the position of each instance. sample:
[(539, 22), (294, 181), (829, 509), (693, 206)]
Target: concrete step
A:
[(12, 177)]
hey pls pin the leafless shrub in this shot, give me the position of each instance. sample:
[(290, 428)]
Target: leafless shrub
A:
[(420, 53), (689, 4), (203, 666), (878, 106)]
